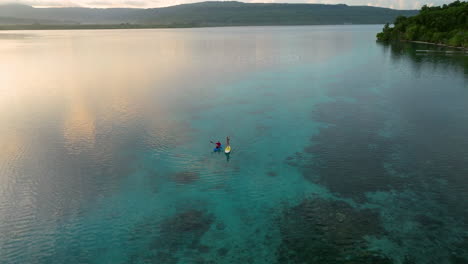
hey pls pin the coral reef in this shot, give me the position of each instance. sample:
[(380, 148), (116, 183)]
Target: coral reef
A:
[(185, 177), (175, 238), (324, 231)]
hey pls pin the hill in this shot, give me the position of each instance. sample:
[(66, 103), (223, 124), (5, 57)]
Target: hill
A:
[(447, 24), (213, 14), (237, 13)]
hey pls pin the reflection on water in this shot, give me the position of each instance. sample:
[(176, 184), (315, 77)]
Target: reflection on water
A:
[(79, 128), (344, 150), (430, 55)]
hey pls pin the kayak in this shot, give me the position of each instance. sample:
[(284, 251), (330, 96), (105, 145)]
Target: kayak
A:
[(218, 149), (227, 150)]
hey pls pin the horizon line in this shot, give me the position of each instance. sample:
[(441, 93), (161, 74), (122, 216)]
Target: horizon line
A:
[(191, 3)]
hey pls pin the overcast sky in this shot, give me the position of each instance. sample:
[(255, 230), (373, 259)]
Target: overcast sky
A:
[(397, 4)]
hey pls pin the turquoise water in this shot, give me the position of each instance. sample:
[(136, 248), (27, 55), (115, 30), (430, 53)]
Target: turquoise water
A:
[(344, 150)]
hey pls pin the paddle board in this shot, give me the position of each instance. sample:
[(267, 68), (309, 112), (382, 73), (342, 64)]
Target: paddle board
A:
[(227, 150)]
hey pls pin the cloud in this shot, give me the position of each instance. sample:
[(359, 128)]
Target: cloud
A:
[(398, 4)]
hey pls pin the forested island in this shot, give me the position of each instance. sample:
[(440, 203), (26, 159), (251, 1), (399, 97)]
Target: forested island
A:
[(203, 14), (443, 25)]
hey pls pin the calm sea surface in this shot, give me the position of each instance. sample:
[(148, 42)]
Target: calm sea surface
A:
[(344, 150)]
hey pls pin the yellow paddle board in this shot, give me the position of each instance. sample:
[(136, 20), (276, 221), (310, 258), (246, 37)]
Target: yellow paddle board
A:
[(227, 149)]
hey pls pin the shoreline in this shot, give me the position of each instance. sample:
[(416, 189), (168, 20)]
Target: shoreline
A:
[(141, 26), (436, 44)]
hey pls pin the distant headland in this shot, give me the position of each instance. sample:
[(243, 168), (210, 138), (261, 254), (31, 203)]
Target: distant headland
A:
[(204, 14)]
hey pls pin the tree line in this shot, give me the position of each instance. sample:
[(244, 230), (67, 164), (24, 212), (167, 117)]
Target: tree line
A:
[(446, 24)]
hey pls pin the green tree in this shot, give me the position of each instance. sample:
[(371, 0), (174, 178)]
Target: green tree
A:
[(447, 24)]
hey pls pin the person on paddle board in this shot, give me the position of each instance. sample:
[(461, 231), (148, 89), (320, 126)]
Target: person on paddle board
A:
[(227, 141)]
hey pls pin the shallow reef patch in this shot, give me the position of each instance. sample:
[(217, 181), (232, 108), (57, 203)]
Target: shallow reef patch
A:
[(349, 155), (325, 231), (272, 173), (175, 239), (185, 177)]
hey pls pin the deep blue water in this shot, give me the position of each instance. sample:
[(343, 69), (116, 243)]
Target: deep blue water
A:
[(344, 150)]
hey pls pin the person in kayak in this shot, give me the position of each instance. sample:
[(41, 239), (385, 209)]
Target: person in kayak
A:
[(218, 145)]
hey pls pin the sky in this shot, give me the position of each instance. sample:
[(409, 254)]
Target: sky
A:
[(396, 4)]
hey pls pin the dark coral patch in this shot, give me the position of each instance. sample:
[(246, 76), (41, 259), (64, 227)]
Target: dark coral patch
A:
[(189, 221), (350, 157), (185, 177), (272, 174), (179, 235), (220, 226), (460, 254), (298, 159), (183, 232), (222, 252), (322, 231), (202, 249)]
